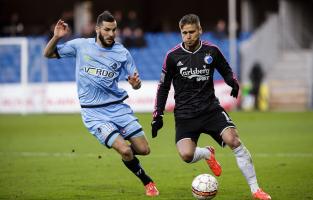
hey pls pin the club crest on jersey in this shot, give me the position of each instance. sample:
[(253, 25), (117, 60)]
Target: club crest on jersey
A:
[(208, 59), (114, 66)]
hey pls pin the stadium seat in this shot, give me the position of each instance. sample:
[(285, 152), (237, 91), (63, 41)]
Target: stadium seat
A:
[(149, 59)]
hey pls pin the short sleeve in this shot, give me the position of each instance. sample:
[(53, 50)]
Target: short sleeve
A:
[(68, 49), (130, 66)]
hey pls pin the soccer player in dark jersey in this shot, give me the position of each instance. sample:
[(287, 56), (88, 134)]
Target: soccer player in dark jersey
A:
[(190, 67)]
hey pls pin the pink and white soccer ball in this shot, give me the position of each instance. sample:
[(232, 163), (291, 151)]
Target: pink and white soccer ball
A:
[(204, 187)]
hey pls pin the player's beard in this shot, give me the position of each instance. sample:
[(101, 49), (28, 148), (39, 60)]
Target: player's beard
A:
[(104, 43), (192, 46)]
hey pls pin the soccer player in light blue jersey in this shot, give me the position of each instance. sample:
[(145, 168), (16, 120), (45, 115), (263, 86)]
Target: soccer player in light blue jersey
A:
[(100, 64)]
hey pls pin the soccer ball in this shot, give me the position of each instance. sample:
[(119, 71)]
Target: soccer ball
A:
[(204, 187)]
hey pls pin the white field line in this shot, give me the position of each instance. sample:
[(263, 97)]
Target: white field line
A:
[(75, 154)]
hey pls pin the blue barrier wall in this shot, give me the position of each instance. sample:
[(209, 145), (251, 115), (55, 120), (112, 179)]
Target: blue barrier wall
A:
[(148, 59)]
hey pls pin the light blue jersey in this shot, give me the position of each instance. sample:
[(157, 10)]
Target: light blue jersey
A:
[(98, 71)]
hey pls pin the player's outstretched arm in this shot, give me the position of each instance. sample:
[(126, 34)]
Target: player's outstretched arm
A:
[(134, 81), (60, 30)]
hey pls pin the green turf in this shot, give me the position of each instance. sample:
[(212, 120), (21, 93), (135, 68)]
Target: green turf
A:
[(54, 157)]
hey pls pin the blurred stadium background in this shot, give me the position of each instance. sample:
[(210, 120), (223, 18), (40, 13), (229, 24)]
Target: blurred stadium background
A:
[(52, 156), (276, 36)]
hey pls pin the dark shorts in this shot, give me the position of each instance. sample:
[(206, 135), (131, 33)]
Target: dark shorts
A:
[(212, 123)]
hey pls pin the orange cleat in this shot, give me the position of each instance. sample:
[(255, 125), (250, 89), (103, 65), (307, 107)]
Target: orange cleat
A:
[(261, 195), (151, 190), (213, 164)]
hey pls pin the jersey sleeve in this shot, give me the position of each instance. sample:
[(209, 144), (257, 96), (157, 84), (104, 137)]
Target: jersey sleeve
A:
[(67, 49), (130, 66), (164, 86), (224, 69)]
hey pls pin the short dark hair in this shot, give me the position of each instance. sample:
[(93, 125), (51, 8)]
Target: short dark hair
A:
[(189, 19), (105, 16)]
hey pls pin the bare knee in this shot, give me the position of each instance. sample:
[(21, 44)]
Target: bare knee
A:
[(143, 150), (234, 143), (186, 148), (140, 145), (231, 138), (186, 156), (140, 149), (126, 153)]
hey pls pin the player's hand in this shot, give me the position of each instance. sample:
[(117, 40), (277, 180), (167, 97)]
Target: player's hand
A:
[(135, 81), (234, 92), (156, 124), (61, 29)]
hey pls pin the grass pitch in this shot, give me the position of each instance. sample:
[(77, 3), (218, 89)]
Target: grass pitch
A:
[(54, 157)]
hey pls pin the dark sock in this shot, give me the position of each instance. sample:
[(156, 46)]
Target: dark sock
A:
[(134, 166)]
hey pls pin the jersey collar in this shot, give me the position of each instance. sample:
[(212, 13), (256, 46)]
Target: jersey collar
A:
[(182, 46)]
